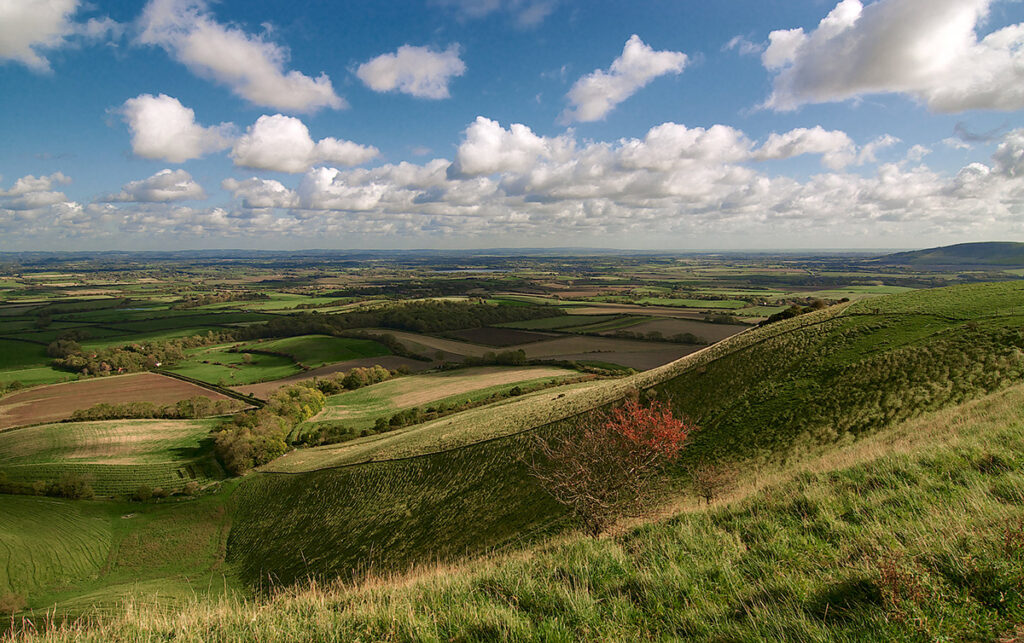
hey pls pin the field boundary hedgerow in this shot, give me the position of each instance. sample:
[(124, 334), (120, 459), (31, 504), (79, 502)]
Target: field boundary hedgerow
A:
[(223, 390)]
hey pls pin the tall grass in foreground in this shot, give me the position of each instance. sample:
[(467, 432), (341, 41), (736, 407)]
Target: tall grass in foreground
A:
[(913, 534)]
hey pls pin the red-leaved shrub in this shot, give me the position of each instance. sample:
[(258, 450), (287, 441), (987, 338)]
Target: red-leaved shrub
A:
[(610, 465)]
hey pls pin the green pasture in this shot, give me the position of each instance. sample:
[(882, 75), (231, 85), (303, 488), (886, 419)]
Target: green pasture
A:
[(216, 364), (317, 350), (760, 398), (15, 354), (36, 376)]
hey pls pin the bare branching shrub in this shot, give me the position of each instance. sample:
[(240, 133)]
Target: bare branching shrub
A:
[(611, 465), (711, 480)]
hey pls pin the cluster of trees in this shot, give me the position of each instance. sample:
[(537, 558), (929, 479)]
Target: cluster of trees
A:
[(131, 358), (795, 311), (504, 358), (330, 432), (145, 492), (657, 336), (252, 438), (72, 485), (194, 407), (196, 300), (416, 316), (722, 318), (356, 378)]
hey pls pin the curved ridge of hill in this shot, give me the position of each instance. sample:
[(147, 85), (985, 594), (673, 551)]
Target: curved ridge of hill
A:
[(987, 253), (762, 396)]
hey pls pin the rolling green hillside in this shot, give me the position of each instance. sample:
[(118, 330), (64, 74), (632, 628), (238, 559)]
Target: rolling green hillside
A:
[(913, 534), (766, 399), (991, 253), (89, 556), (761, 397)]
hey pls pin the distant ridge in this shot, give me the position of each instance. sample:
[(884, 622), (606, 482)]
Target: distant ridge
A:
[(989, 253)]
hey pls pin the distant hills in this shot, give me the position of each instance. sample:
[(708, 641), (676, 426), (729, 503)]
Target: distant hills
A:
[(989, 253)]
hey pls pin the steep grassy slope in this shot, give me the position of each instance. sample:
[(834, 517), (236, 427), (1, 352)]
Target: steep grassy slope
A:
[(763, 396), (914, 534), (89, 555), (45, 541)]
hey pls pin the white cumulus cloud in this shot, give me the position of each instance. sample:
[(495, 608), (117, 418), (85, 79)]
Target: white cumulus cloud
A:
[(927, 49), (418, 71), (28, 28), (261, 193), (283, 144), (836, 148), (253, 67), (163, 187), (597, 93), (163, 128), (488, 148)]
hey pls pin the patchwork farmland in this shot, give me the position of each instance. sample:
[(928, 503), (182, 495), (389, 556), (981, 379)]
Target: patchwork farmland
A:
[(424, 462)]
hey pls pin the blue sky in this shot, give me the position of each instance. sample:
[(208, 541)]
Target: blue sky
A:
[(478, 123)]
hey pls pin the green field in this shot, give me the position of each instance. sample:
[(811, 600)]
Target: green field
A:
[(231, 365), (844, 425), (118, 456), (36, 376), (216, 364), (359, 409), (46, 542), (14, 354), (317, 350)]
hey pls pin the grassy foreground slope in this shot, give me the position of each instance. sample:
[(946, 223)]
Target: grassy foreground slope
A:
[(763, 396), (91, 555), (913, 534)]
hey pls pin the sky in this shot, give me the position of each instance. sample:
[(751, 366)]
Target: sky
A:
[(634, 124)]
